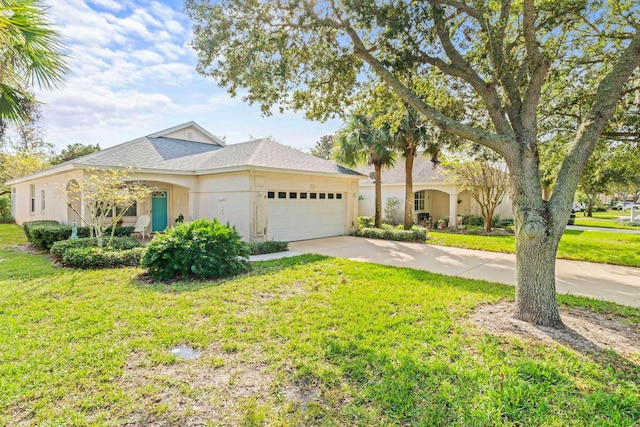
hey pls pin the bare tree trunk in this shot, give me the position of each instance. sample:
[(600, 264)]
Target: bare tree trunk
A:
[(378, 217), (408, 192), (488, 219), (536, 245), (536, 290)]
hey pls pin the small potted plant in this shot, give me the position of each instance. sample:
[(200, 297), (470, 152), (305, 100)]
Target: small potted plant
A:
[(180, 219), (443, 223)]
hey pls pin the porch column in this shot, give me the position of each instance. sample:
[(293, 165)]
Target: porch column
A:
[(193, 206), (453, 209)]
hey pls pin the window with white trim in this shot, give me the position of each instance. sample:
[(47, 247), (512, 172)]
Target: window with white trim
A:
[(32, 198), (42, 201), (418, 201)]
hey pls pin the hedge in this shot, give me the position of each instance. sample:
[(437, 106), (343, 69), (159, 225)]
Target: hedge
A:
[(268, 247), (29, 224), (43, 234), (118, 243), (414, 235), (95, 257)]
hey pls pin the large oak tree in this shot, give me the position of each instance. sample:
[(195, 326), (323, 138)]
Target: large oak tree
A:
[(509, 59)]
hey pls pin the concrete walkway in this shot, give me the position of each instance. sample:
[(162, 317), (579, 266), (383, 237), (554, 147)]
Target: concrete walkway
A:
[(601, 281)]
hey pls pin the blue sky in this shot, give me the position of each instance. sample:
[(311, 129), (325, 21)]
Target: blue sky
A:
[(133, 74)]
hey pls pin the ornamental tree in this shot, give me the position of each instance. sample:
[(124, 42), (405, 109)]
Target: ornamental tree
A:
[(526, 69), (106, 194), (487, 182)]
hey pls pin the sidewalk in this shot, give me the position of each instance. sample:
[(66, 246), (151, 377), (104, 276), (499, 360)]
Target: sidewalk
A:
[(601, 281)]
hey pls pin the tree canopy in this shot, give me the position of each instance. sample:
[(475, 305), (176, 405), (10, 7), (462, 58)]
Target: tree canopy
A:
[(31, 54), (526, 70)]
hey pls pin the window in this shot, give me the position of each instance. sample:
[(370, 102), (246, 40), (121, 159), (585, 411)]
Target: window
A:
[(339, 196), (131, 211), (42, 204), (418, 200), (282, 194), (323, 196), (293, 195), (303, 195), (32, 198), (271, 195), (330, 195), (313, 195)]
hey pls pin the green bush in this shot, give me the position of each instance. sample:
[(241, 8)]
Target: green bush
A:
[(123, 231), (416, 234), (505, 223), (95, 257), (202, 249), (8, 219), (476, 221), (365, 222), (268, 247), (44, 236), (27, 226), (5, 210), (118, 243)]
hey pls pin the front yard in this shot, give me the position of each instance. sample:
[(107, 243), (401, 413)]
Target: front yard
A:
[(591, 246), (301, 341)]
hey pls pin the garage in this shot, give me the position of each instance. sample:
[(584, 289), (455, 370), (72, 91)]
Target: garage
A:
[(293, 215)]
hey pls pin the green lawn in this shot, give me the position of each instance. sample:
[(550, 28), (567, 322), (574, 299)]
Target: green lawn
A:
[(301, 341), (593, 246)]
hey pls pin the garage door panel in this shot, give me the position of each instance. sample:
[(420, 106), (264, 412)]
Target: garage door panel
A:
[(295, 219)]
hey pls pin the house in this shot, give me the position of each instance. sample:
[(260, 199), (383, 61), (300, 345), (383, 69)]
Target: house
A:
[(431, 194), (264, 189)]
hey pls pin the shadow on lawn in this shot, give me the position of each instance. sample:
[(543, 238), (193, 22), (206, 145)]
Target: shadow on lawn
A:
[(262, 268)]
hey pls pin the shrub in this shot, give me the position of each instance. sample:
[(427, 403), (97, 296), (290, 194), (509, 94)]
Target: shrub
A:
[(119, 243), (268, 247), (95, 257), (7, 219), (202, 249), (27, 226), (365, 222), (416, 234), (476, 221), (44, 236), (505, 223), (124, 231), (391, 207)]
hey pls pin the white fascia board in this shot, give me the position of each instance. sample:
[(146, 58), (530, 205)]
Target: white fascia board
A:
[(276, 170), (43, 174)]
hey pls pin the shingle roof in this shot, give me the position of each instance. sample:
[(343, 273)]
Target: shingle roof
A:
[(424, 172), (160, 153), (269, 154)]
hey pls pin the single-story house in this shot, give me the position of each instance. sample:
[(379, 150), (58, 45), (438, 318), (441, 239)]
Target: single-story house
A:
[(266, 190), (432, 195)]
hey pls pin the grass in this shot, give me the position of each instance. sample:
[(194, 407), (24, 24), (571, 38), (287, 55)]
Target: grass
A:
[(605, 220), (300, 341), (592, 246)]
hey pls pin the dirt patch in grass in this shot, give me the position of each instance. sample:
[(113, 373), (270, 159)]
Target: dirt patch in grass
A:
[(192, 392), (585, 331)]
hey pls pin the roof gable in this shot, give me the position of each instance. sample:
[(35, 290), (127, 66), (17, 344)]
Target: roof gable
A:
[(190, 131)]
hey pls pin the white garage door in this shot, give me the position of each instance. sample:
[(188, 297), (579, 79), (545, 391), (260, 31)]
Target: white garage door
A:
[(299, 215)]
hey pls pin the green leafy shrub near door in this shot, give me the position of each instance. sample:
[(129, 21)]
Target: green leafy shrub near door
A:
[(201, 249)]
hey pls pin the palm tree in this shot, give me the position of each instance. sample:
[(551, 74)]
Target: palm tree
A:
[(411, 135), (360, 143), (30, 54)]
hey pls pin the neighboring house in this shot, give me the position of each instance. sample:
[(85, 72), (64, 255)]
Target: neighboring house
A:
[(266, 190), (431, 194)]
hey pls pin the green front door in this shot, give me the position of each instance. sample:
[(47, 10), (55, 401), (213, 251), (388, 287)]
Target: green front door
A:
[(159, 210)]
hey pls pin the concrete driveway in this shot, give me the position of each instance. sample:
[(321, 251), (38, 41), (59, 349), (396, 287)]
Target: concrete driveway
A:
[(601, 281)]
